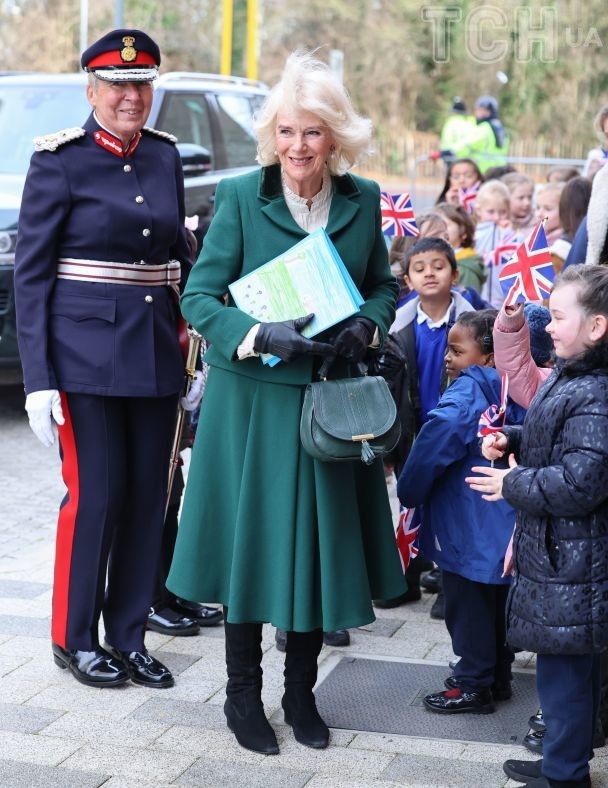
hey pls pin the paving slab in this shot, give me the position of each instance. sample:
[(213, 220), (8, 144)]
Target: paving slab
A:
[(205, 772), (382, 627), (30, 748), (85, 727), (117, 701), (25, 625), (181, 712), (22, 719), (421, 770), (21, 589), (129, 762), (15, 774)]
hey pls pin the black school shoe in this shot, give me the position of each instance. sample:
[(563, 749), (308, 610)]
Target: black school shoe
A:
[(143, 668), (533, 740), (432, 581), (438, 607), (523, 771), (170, 622), (455, 701), (204, 615), (500, 691), (95, 668), (413, 594), (338, 638), (529, 773)]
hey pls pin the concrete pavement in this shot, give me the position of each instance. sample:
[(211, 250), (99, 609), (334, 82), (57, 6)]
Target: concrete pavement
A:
[(56, 732)]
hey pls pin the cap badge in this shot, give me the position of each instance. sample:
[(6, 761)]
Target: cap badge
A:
[(128, 53)]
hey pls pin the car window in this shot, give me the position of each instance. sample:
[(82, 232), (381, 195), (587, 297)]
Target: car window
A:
[(187, 116), (236, 121), (28, 111)]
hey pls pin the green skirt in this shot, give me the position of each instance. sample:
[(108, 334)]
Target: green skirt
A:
[(271, 533)]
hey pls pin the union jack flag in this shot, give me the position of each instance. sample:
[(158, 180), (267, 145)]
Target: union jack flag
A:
[(493, 418), (407, 535), (529, 275), (397, 215), (504, 249), (467, 197)]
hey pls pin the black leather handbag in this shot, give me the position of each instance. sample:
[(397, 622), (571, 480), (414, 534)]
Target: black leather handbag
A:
[(349, 418)]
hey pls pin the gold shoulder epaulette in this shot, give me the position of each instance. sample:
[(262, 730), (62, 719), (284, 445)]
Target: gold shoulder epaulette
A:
[(164, 135), (53, 141)]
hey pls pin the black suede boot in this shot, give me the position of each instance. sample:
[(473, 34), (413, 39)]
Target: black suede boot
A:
[(243, 708), (301, 654)]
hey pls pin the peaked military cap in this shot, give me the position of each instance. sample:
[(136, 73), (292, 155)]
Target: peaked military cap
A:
[(123, 56)]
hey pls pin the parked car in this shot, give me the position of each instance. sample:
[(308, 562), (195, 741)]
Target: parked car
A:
[(211, 115)]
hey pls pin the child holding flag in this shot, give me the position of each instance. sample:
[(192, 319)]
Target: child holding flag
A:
[(465, 536), (560, 491)]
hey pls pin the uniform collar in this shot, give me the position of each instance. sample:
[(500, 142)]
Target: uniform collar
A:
[(422, 317), (109, 141), (343, 206)]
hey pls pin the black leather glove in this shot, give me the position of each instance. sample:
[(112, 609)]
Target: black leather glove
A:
[(354, 338), (285, 340)]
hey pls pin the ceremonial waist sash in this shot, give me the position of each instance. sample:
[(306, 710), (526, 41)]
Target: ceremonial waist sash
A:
[(165, 274)]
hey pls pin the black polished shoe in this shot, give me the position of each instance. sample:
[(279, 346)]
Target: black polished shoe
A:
[(456, 701), (204, 615), (412, 594), (523, 771), (499, 691), (246, 719), (300, 711), (338, 638), (280, 639), (533, 741), (432, 581), (94, 668), (143, 668), (438, 607), (169, 622)]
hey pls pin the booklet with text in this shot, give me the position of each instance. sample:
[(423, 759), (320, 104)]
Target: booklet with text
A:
[(308, 277)]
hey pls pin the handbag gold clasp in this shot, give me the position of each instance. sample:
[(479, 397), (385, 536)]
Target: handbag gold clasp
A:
[(365, 437)]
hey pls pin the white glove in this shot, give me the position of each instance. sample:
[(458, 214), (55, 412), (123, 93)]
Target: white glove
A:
[(40, 406), (195, 393)]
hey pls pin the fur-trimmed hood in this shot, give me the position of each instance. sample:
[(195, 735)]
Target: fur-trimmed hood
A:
[(597, 217)]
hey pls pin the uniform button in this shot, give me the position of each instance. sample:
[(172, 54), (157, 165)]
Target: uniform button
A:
[(148, 299), (127, 168), (139, 199), (145, 232)]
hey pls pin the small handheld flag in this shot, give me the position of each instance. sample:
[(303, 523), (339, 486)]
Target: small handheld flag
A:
[(467, 197), (529, 274), (505, 247), (398, 215), (407, 535), (493, 418)]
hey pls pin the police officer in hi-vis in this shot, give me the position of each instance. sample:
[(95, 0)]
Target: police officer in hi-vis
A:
[(101, 253)]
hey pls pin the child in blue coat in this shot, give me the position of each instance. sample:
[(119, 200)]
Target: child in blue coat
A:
[(466, 536)]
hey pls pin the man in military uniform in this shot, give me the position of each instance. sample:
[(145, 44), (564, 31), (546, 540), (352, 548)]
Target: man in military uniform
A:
[(101, 253)]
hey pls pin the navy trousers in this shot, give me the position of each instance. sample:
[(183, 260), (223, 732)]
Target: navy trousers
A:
[(115, 462), (569, 691), (475, 618)]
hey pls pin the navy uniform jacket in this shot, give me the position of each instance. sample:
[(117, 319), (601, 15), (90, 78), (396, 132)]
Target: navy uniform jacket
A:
[(82, 201)]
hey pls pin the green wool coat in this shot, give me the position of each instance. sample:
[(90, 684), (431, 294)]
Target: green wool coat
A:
[(266, 530)]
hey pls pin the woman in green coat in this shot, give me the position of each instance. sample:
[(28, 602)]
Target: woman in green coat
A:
[(273, 534)]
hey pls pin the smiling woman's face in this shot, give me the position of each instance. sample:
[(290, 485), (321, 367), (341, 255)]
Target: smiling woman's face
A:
[(303, 145), (121, 107)]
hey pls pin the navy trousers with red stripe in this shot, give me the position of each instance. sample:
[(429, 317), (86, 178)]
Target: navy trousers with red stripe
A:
[(115, 459)]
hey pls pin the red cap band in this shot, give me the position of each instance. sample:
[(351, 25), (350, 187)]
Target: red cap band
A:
[(114, 59)]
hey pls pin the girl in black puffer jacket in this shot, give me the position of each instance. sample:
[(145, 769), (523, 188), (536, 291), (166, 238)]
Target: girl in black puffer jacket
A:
[(558, 604)]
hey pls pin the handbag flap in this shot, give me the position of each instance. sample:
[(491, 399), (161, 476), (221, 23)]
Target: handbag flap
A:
[(354, 408)]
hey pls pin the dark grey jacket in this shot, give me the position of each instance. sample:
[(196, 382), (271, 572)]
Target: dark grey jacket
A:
[(558, 603)]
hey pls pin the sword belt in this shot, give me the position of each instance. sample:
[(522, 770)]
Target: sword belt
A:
[(163, 275)]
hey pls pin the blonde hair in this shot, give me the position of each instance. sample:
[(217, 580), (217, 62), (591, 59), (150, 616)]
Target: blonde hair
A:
[(551, 186), (308, 85), (514, 179), (494, 189)]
